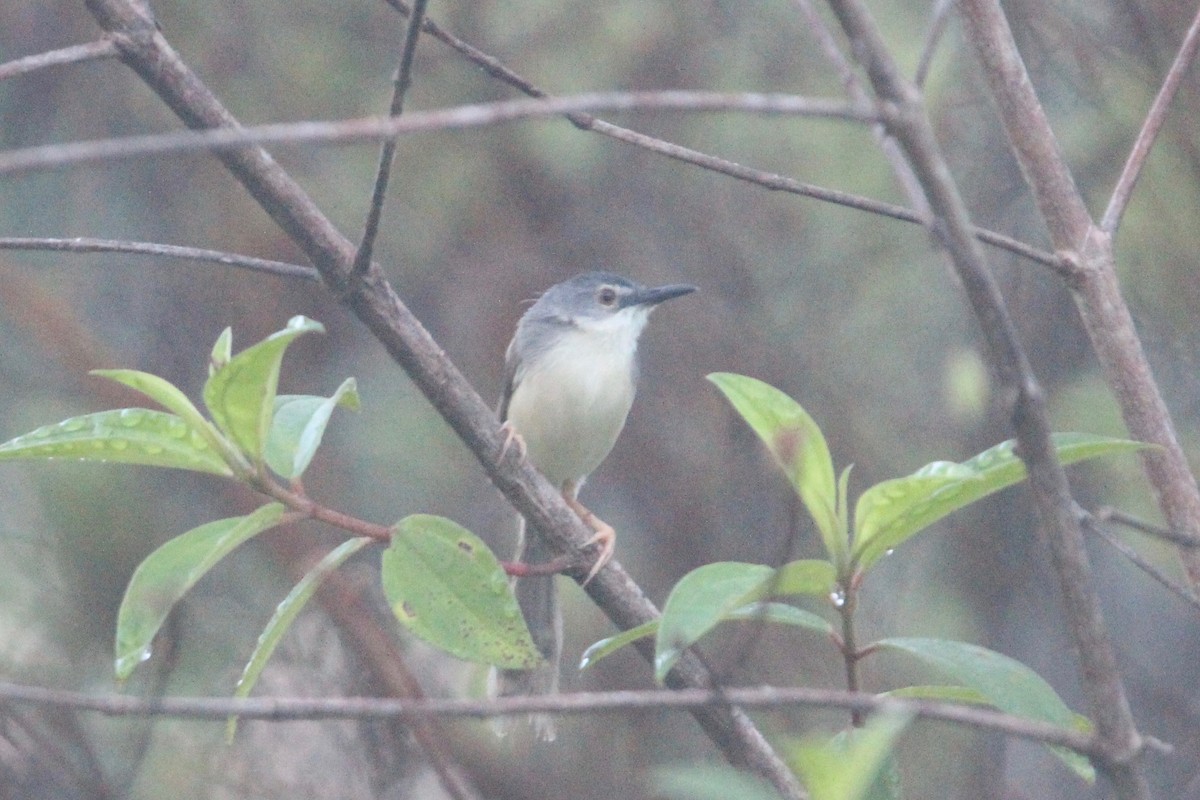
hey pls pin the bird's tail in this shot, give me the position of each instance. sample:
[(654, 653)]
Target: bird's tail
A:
[(538, 599)]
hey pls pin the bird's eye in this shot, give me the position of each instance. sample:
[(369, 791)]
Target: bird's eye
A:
[(607, 296)]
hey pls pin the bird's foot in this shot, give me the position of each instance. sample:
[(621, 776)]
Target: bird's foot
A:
[(604, 536), (511, 437)]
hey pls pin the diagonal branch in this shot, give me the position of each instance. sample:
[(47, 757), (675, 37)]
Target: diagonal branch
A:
[(387, 154), (908, 122), (587, 122), (146, 51), (1088, 250), (1150, 128)]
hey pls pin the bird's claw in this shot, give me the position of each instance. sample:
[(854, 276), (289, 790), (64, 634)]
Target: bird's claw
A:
[(606, 538), (603, 535), (511, 437)]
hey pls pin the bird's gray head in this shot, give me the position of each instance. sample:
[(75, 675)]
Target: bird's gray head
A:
[(590, 299)]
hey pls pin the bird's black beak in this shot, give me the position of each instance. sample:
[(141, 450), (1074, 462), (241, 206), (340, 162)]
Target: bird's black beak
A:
[(652, 296)]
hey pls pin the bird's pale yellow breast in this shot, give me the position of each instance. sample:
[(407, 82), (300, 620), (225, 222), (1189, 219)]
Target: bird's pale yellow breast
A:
[(571, 405)]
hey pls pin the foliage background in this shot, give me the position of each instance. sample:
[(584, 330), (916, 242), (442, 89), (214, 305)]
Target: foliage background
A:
[(855, 316)]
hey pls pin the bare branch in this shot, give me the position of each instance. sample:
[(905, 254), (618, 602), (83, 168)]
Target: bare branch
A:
[(295, 709), (85, 245), (1091, 275), (369, 129), (387, 154), (102, 48), (1107, 513), (908, 121), (372, 129), (1026, 124), (1092, 523), (857, 94), (1150, 128), (939, 19)]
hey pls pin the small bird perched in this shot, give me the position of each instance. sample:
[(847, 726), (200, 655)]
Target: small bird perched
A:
[(570, 380)]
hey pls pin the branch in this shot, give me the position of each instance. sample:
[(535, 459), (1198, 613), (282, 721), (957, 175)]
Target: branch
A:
[(908, 122), (901, 169), (387, 154), (1092, 523), (1091, 274), (372, 300), (102, 48), (1150, 128), (283, 709), (83, 244), (499, 71), (465, 117)]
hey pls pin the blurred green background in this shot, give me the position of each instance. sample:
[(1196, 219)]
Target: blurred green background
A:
[(857, 317)]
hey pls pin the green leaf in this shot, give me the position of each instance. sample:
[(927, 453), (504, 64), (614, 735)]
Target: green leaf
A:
[(854, 766), (127, 435), (798, 446), (778, 613), (710, 782), (221, 353), (891, 512), (298, 425), (241, 394), (701, 600), (807, 576), (949, 694), (447, 587), (1006, 683), (781, 614), (606, 647), (169, 572), (886, 513), (171, 398), (285, 614)]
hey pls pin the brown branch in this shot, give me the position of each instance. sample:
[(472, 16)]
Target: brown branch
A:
[(102, 48), (901, 169), (373, 129), (1153, 123), (1107, 513), (56, 156), (1092, 523), (283, 709), (371, 298), (1092, 275), (387, 154), (83, 244), (908, 121), (767, 180)]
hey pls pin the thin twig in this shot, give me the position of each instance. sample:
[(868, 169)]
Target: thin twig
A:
[(901, 169), (1092, 523), (939, 20), (371, 129), (297, 709), (83, 244), (462, 117), (102, 48), (497, 69), (1107, 513), (1150, 128), (387, 153)]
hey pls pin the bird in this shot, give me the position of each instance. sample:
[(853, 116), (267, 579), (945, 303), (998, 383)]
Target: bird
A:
[(571, 371)]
